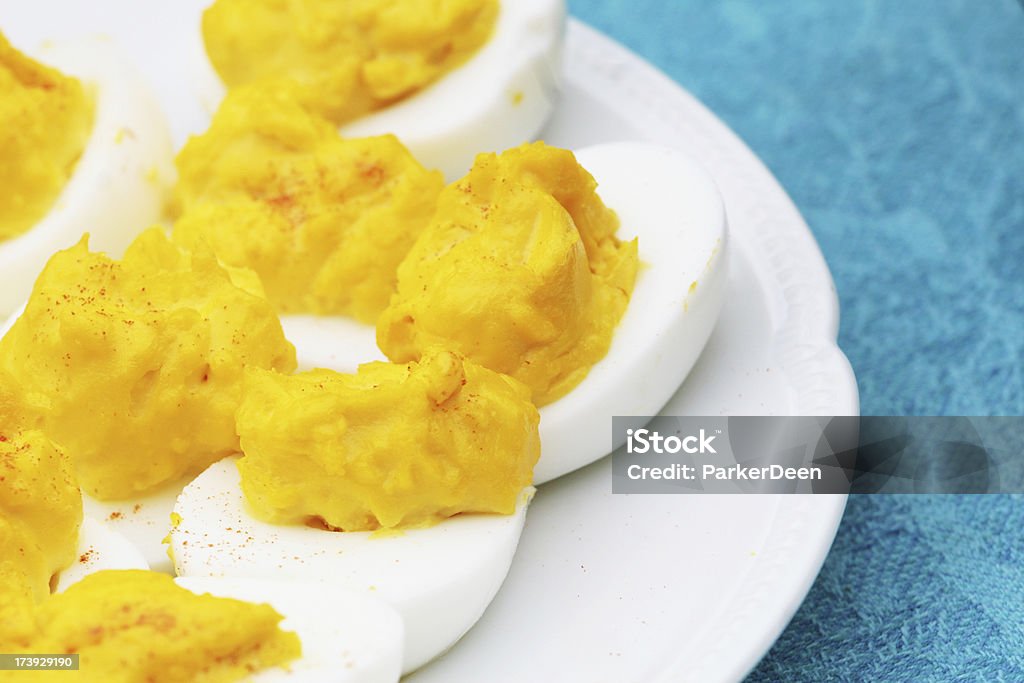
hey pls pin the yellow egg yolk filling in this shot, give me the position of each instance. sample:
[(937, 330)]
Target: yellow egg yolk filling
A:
[(40, 506), (347, 58), (324, 221), (23, 581), (141, 627), (519, 270), (135, 367), (45, 122), (40, 515), (391, 446), (36, 546)]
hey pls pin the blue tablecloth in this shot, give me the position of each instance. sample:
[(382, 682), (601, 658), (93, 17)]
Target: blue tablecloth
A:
[(897, 126)]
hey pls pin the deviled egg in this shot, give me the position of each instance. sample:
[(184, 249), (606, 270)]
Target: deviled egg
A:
[(440, 579), (449, 80), (85, 148), (405, 481), (324, 221), (519, 270), (134, 367)]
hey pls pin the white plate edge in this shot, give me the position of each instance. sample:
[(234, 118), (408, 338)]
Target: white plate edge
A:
[(815, 366)]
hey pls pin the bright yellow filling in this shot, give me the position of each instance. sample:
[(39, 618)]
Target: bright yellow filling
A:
[(519, 271), (394, 445), (141, 627), (45, 123), (40, 514), (23, 581), (347, 58), (135, 367), (41, 505), (324, 221)]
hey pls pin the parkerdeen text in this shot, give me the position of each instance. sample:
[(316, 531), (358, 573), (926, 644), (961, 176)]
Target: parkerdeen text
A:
[(735, 472)]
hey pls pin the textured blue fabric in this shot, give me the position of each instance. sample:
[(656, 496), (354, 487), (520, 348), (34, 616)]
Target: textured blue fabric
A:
[(897, 126)]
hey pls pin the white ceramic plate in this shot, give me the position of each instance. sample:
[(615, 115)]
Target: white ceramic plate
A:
[(622, 589)]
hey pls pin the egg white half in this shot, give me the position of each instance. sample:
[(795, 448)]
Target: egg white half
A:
[(440, 579), (331, 341), (671, 204), (501, 97), (99, 548), (119, 185), (144, 521), (346, 636)]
